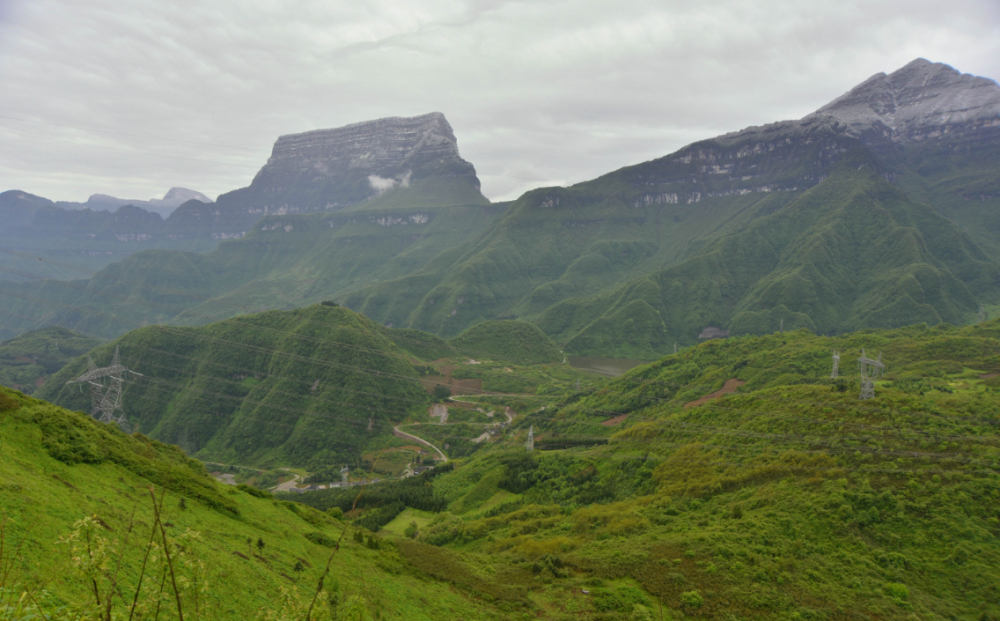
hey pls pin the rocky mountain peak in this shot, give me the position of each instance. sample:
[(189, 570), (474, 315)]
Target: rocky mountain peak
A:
[(918, 97), (387, 152)]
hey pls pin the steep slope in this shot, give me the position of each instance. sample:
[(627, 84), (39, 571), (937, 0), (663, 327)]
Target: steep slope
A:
[(68, 481), (27, 360), (854, 252), (314, 385), (578, 242), (411, 160)]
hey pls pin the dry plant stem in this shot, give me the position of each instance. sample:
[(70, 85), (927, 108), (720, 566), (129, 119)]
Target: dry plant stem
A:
[(166, 553), (329, 561), (93, 580), (145, 558), (114, 577), (159, 597)]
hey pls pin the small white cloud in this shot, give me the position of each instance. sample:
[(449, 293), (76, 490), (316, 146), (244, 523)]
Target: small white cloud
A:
[(381, 184), (404, 181)]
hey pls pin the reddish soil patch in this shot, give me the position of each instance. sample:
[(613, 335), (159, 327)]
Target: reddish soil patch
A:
[(729, 387), (988, 375), (615, 420), (430, 381), (466, 386)]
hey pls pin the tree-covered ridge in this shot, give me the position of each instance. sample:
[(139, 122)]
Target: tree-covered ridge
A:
[(27, 360), (77, 517), (313, 385), (283, 262), (853, 252)]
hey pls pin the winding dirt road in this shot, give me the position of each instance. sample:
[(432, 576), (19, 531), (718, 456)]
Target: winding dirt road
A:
[(396, 431)]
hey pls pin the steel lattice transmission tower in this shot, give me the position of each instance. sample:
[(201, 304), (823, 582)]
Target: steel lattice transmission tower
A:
[(530, 444), (107, 400), (870, 371), (836, 365)]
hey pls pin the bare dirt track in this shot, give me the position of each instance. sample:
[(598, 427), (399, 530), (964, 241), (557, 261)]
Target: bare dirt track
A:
[(728, 388)]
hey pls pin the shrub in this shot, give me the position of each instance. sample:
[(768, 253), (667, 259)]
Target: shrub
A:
[(253, 491), (321, 540), (692, 599), (8, 403), (441, 392), (897, 591)]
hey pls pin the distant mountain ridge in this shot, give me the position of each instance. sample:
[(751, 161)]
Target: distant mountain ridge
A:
[(931, 131), (752, 230), (371, 165), (174, 198)]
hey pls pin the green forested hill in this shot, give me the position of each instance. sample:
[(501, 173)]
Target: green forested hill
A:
[(77, 517), (284, 262), (853, 252), (27, 360), (506, 340), (311, 386), (790, 499)]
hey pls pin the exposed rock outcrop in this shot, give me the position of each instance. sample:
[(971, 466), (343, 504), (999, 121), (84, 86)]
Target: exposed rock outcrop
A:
[(329, 169)]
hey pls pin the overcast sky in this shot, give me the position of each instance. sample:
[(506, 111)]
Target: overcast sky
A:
[(129, 98)]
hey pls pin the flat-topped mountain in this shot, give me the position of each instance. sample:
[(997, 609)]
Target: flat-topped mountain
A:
[(331, 169), (385, 152)]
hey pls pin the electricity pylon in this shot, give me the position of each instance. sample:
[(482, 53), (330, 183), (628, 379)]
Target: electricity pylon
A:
[(344, 473), (106, 401), (836, 365), (870, 371), (531, 439)]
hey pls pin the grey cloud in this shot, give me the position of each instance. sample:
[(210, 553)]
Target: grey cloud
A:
[(539, 93)]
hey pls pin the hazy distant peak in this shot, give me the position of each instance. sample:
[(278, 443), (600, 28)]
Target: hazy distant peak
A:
[(175, 197)]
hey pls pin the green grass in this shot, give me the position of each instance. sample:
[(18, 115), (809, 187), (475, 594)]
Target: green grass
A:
[(403, 521), (788, 499), (58, 467)]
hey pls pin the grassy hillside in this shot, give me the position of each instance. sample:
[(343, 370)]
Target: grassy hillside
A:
[(513, 341), (67, 481), (27, 360), (788, 499), (311, 386), (853, 252)]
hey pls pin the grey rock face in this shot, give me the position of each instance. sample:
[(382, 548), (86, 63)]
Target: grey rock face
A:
[(330, 169), (919, 110), (390, 148), (920, 99)]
